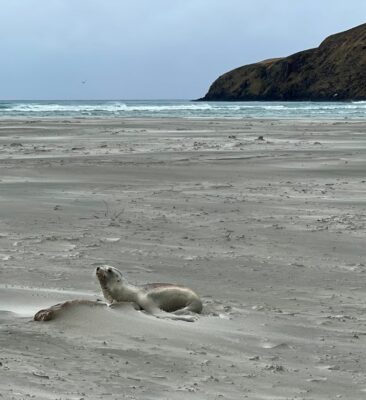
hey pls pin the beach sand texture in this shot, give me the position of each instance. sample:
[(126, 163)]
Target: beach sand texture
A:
[(269, 231)]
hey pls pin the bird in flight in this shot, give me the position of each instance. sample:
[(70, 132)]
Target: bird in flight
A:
[(83, 82)]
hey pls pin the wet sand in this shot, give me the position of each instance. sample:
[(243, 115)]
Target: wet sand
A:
[(265, 219)]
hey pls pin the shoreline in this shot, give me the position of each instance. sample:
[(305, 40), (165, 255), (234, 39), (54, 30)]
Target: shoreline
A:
[(162, 118)]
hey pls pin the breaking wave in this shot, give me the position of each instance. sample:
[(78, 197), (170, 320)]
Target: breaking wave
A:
[(184, 109)]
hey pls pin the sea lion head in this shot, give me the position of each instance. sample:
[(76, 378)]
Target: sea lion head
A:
[(110, 279), (109, 274)]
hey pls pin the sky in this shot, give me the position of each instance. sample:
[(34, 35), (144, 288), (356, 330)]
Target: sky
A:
[(152, 49)]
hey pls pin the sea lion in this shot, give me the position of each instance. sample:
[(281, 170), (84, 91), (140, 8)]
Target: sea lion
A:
[(52, 312), (163, 300)]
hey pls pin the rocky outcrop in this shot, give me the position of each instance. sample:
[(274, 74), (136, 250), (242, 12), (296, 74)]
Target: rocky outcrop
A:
[(336, 70)]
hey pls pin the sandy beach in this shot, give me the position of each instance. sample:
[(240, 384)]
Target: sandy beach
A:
[(265, 219)]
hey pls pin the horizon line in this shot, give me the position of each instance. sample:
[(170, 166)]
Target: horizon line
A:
[(112, 99)]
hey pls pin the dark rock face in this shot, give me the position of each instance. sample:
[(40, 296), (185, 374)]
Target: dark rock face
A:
[(336, 70)]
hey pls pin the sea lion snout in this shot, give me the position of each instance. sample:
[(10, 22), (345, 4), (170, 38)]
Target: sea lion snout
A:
[(100, 273)]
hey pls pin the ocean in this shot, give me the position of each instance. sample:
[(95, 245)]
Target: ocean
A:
[(180, 108)]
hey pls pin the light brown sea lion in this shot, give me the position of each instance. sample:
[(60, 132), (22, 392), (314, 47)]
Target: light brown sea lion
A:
[(50, 313), (159, 299)]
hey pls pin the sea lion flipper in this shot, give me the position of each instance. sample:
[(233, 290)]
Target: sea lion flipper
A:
[(186, 318), (158, 313)]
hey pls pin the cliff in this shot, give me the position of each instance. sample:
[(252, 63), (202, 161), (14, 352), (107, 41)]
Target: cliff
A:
[(336, 70)]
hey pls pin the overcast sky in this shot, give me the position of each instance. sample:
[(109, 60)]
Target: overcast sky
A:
[(152, 49)]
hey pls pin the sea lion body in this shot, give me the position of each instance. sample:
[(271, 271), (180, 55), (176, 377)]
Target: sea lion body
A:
[(150, 297), (171, 298)]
